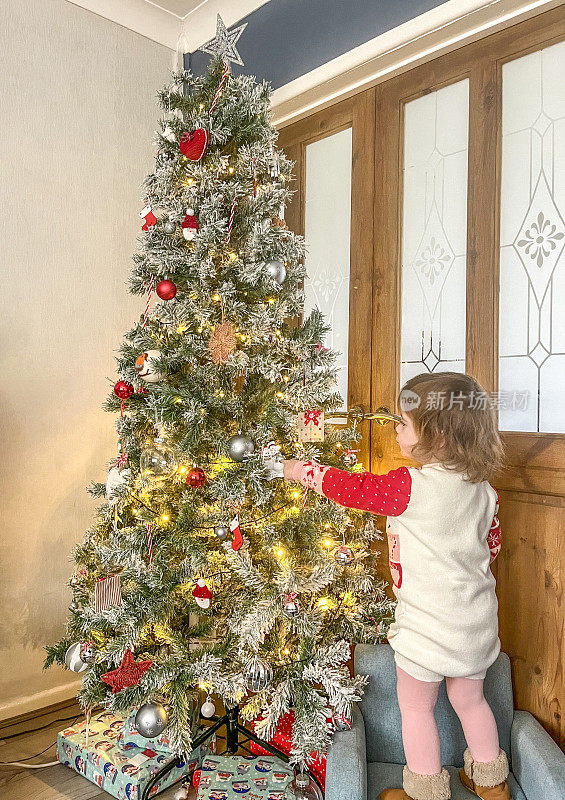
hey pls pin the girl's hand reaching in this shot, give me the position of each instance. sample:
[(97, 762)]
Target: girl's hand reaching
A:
[(289, 469)]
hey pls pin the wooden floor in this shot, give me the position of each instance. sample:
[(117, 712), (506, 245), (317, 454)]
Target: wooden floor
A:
[(50, 783)]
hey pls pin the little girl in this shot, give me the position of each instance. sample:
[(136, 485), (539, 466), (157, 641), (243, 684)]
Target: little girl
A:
[(443, 533)]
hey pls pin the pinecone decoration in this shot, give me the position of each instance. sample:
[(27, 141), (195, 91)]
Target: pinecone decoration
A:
[(222, 342)]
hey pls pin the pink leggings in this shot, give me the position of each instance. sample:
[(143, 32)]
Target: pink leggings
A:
[(420, 737)]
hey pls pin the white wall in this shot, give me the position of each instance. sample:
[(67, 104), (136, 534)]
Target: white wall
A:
[(78, 109)]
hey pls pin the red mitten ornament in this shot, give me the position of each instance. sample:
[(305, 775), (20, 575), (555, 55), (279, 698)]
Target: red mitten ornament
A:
[(193, 145), (128, 673), (149, 217)]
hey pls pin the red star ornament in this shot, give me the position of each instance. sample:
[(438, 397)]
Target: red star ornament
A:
[(128, 673)]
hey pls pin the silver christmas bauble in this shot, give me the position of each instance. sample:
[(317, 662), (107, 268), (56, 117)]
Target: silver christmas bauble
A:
[(222, 532), (151, 720), (208, 708), (291, 607), (258, 674), (344, 555), (73, 660), (349, 459), (169, 227), (240, 446), (276, 270)]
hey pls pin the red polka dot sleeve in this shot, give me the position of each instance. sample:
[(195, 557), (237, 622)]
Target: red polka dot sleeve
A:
[(494, 537), (387, 494)]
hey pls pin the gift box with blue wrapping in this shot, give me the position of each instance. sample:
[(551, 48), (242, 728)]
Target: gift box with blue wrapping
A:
[(122, 771), (251, 777)]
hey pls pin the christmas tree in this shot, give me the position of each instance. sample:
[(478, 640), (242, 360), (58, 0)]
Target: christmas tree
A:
[(201, 571)]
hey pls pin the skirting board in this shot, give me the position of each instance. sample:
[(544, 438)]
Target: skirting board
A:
[(40, 700)]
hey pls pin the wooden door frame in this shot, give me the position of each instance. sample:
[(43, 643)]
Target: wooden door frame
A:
[(356, 113)]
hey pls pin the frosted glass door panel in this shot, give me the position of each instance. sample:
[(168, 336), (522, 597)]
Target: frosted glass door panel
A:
[(327, 228), (532, 242), (434, 232)]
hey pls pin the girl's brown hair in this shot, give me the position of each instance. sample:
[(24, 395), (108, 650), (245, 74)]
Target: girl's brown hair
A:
[(454, 408)]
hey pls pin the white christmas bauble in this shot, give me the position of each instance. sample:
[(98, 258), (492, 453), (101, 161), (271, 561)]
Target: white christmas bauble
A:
[(145, 366), (73, 660), (115, 479), (208, 708)]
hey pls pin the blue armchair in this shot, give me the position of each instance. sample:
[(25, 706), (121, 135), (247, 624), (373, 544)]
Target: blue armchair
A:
[(369, 758)]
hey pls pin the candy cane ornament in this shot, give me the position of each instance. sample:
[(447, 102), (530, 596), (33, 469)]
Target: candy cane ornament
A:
[(149, 544), (219, 90), (148, 301), (230, 223)]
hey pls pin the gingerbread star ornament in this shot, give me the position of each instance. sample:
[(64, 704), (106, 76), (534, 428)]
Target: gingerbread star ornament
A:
[(128, 673)]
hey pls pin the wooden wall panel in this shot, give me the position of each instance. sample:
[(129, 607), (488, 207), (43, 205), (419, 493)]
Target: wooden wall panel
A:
[(530, 576)]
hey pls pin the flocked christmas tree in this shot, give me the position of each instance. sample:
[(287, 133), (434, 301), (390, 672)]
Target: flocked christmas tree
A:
[(198, 568)]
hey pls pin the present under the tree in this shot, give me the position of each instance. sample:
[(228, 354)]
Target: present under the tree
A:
[(129, 736), (125, 771), (253, 777), (282, 740)]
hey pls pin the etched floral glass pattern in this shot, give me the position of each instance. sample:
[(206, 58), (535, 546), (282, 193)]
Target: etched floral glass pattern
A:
[(434, 232), (327, 229), (532, 242)]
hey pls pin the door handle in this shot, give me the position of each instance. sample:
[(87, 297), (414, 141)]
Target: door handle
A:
[(357, 413)]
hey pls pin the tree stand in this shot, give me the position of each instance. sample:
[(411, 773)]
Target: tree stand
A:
[(233, 729)]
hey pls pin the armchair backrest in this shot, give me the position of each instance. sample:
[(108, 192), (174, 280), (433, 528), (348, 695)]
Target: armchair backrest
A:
[(381, 713)]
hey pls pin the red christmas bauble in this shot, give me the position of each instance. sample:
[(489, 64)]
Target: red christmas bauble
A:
[(166, 290), (123, 390), (196, 477)]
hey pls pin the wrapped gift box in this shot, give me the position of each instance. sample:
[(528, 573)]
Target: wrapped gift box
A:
[(125, 771), (311, 425), (129, 735), (282, 739), (251, 777)]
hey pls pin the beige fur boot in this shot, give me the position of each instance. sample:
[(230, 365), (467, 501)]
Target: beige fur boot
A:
[(420, 787), (487, 779)]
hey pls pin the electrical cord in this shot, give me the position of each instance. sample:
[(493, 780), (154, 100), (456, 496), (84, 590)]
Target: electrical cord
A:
[(36, 766), (34, 730)]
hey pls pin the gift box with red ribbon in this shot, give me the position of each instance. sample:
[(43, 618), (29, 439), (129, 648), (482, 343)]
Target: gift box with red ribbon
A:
[(282, 739), (311, 425)]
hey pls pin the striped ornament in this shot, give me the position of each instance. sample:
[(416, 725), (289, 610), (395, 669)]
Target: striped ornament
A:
[(107, 593)]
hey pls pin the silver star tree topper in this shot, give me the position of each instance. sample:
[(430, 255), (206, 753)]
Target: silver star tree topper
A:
[(224, 42)]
